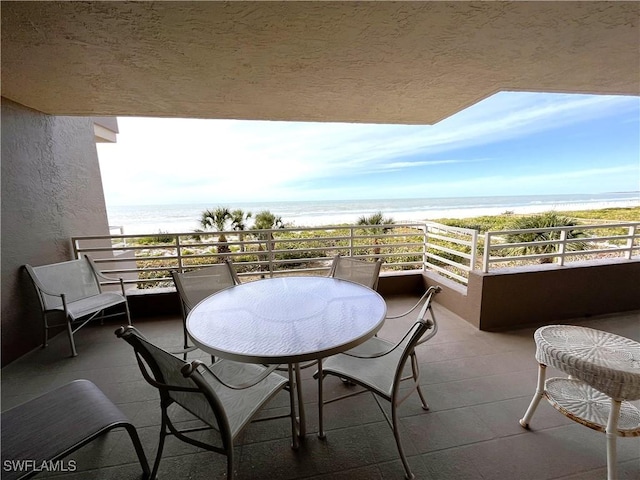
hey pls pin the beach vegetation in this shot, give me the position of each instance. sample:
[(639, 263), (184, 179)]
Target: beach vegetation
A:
[(376, 224), (239, 220), (217, 219), (152, 269), (482, 224), (200, 235), (542, 221), (401, 246), (160, 238), (485, 223), (621, 214), (265, 220), (375, 221)]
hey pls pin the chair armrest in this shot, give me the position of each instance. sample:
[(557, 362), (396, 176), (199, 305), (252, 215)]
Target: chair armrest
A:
[(183, 350), (381, 354), (188, 369), (113, 279), (105, 277), (101, 275), (432, 332), (430, 291), (374, 355), (430, 323)]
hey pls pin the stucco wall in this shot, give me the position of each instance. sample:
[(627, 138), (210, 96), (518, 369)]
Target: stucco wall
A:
[(553, 293), (51, 191), (542, 294)]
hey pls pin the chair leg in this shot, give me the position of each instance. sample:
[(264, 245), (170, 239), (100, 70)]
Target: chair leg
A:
[(396, 433), (415, 368), (295, 440), (320, 374), (185, 338), (612, 435), (45, 340), (230, 463), (135, 439), (524, 421), (302, 427), (163, 434), (74, 353)]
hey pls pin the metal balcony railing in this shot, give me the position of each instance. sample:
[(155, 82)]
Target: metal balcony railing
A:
[(147, 260), (561, 244)]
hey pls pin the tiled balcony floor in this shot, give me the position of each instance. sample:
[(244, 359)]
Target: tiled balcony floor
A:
[(478, 385)]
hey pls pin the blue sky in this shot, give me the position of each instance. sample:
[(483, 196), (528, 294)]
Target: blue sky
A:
[(508, 144)]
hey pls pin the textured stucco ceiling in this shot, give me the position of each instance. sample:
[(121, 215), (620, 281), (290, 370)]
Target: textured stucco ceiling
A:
[(390, 62)]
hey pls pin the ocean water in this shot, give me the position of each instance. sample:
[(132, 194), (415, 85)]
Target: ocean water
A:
[(139, 219)]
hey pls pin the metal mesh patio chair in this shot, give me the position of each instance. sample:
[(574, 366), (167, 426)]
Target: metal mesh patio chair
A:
[(196, 285), (73, 289), (206, 393), (355, 270), (54, 425), (360, 271), (378, 366)]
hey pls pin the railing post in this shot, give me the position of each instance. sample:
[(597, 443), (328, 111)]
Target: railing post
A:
[(74, 243), (632, 235), (179, 253), (487, 252), (424, 247), (474, 249), (351, 240), (562, 247), (270, 252)]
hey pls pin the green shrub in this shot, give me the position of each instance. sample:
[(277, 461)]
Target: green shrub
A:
[(163, 238), (544, 220)]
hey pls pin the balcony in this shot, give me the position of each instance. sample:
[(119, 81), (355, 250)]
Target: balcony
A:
[(478, 385)]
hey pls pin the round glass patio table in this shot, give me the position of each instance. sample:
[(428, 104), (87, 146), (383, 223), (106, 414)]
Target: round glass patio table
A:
[(286, 320)]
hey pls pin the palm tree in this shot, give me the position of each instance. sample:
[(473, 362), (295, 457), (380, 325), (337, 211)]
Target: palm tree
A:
[(265, 220), (374, 223), (543, 220), (238, 223), (217, 219)]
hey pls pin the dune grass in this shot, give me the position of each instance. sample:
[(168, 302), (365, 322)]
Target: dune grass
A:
[(486, 223)]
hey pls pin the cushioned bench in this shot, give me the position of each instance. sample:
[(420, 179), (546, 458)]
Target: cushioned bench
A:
[(56, 424)]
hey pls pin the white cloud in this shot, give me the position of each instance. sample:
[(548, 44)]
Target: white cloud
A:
[(182, 160), (550, 182)]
